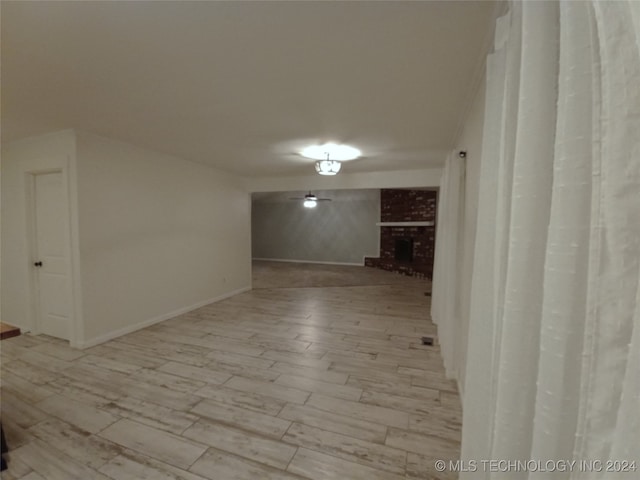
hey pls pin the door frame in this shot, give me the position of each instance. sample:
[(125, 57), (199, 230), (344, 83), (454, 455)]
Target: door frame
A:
[(75, 325)]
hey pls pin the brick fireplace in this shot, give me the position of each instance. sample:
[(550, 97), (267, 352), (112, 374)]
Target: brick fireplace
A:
[(407, 232)]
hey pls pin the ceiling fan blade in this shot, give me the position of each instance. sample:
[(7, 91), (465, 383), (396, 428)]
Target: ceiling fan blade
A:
[(311, 196)]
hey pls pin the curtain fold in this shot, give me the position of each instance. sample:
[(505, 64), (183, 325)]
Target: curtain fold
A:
[(612, 404), (445, 310), (553, 356), (527, 240), (565, 266)]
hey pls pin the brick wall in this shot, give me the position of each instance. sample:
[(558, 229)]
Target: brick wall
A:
[(407, 206)]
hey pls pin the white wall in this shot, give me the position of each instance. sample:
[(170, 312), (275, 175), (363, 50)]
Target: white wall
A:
[(427, 177), (341, 231), (470, 139), (158, 235), (54, 151)]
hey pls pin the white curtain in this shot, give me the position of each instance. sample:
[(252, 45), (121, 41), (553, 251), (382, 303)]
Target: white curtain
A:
[(445, 309), (553, 359)]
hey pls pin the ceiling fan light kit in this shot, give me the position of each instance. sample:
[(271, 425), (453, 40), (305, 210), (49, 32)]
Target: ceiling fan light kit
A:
[(310, 200)]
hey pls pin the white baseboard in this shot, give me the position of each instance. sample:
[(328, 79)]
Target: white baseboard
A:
[(309, 261), (92, 342)]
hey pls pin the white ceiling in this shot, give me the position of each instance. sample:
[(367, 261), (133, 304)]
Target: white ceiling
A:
[(244, 85)]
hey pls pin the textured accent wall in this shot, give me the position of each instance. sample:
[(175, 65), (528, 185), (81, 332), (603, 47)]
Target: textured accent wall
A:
[(407, 206), (341, 231)]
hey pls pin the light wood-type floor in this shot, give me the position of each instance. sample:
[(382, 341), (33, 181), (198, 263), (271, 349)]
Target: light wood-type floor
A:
[(309, 382)]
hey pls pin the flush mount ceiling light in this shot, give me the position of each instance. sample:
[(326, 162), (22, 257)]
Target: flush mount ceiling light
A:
[(329, 156), (327, 166)]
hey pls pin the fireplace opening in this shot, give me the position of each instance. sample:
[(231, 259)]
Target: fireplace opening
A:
[(404, 249)]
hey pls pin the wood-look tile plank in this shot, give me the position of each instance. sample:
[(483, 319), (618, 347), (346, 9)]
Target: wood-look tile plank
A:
[(277, 332), (52, 464), (155, 443), (261, 449), (360, 331), (177, 383), (16, 435), (32, 476), (448, 427), (352, 364), (313, 335), (23, 414), (335, 422), (109, 364), (321, 374), (26, 340), (397, 387), (347, 448), (217, 464), (121, 385), (423, 467), (404, 404), (96, 395), (83, 416), (450, 401), (250, 401), (202, 374), (45, 362), (317, 386), (349, 355), (269, 389), (60, 352), (163, 349), (151, 414), (242, 418), (429, 379), (223, 356), (226, 344), (186, 327), (235, 369), (180, 341), (17, 469), (268, 342), (337, 346), (409, 359), (371, 413), (428, 445), (24, 389), (308, 359), (29, 372), (319, 466), (109, 351), (94, 375), (135, 466), (216, 328), (77, 444)]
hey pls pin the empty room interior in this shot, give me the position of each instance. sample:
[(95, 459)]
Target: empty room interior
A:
[(320, 240)]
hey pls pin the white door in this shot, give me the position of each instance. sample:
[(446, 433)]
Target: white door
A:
[(52, 256)]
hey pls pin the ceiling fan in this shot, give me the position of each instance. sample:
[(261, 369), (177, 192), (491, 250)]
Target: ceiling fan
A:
[(310, 200)]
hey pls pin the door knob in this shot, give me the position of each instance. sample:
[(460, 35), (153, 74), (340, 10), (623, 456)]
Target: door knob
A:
[(38, 264)]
